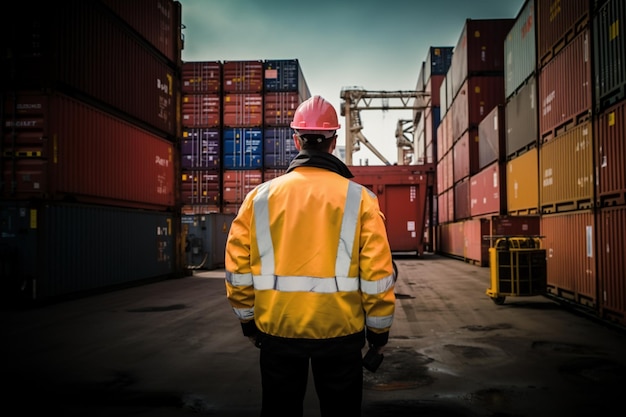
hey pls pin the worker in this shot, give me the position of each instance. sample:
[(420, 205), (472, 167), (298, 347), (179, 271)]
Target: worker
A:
[(309, 274)]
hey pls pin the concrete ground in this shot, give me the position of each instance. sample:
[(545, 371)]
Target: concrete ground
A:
[(174, 348)]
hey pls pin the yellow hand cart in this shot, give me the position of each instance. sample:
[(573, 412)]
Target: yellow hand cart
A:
[(517, 267)]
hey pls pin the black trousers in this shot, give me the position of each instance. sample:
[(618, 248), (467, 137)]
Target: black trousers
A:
[(337, 375)]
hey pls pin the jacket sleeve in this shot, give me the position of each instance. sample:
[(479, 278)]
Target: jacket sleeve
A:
[(376, 272), (239, 286)]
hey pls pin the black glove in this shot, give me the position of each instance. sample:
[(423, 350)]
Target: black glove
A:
[(372, 359)]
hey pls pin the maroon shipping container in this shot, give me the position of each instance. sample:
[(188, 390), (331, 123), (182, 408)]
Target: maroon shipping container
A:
[(571, 265), (477, 97), (522, 120), (280, 107), (492, 138), (465, 153), (82, 50), (445, 172), (200, 187), (60, 148), (558, 21), (565, 100), (445, 206), (158, 21), (401, 192), (201, 110), (462, 200), (243, 110), (236, 184), (488, 190), (451, 239), (200, 148), (479, 51), (610, 155), (242, 76), (202, 77), (611, 223)]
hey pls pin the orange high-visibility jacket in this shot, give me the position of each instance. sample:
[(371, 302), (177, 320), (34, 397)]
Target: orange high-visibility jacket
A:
[(307, 256)]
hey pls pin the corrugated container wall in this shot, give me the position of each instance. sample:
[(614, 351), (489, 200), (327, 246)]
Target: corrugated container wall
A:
[(611, 223), (78, 61), (558, 21), (201, 110), (242, 76), (522, 120), (72, 249), (522, 184), (492, 138), (479, 50), (61, 148), (566, 168), (285, 75), (201, 148), (202, 77), (158, 21), (610, 155), (520, 50), (438, 60), (609, 53), (488, 191), (566, 100), (569, 240)]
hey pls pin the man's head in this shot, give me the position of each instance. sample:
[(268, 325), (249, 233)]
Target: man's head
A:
[(315, 122)]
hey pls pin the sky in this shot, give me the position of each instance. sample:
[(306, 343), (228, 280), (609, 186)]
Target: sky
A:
[(377, 45)]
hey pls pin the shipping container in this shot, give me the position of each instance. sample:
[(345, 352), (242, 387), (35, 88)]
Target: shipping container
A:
[(270, 173), (279, 147), (280, 107), (610, 155), (611, 223), (565, 100), (445, 172), (609, 47), (238, 183), (242, 110), (201, 110), (201, 148), (445, 206), (202, 77), (451, 239), (93, 59), (158, 21), (437, 63), (401, 192), (558, 22), (444, 90), (492, 138), (66, 250), (566, 168), (433, 85), (243, 148), (281, 75), (520, 50), (444, 136), (479, 51), (59, 148), (569, 240), (477, 97), (488, 191), (242, 76), (522, 184), (465, 155), (431, 127), (205, 239), (200, 187), (462, 199), (522, 120)]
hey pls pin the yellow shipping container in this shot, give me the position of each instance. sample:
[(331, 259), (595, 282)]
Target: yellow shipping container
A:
[(522, 184), (566, 168)]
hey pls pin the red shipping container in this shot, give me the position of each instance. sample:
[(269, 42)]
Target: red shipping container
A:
[(462, 200), (611, 223), (201, 110), (242, 76), (610, 155), (488, 191), (85, 155), (95, 56), (558, 21), (236, 184), (280, 107), (158, 21), (202, 77), (451, 238), (571, 266), (200, 187), (565, 100), (432, 87), (476, 99), (466, 155), (401, 191), (243, 110)]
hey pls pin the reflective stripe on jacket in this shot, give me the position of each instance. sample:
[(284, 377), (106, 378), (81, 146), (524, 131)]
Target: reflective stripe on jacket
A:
[(299, 275)]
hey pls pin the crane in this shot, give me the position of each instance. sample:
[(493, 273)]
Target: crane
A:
[(355, 99)]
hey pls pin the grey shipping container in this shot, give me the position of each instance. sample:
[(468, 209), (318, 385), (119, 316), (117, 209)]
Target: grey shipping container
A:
[(520, 52)]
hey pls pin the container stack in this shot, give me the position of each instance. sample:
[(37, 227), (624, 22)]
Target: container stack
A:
[(89, 161), (201, 139), (565, 149)]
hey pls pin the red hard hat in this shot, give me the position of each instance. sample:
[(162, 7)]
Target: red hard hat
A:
[(315, 113)]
